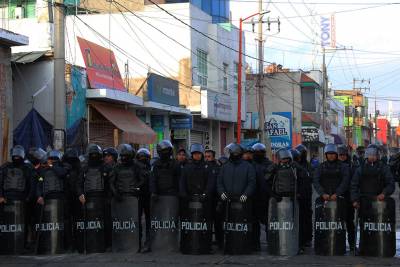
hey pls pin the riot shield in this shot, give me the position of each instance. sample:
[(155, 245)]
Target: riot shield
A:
[(165, 224), (282, 228), (238, 225), (377, 227), (89, 227), (50, 228), (125, 224), (12, 227), (330, 227), (196, 226)]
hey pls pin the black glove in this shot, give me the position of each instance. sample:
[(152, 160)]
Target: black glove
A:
[(154, 197)]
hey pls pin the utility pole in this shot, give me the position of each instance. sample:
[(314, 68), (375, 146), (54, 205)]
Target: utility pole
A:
[(260, 88), (375, 120), (59, 72)]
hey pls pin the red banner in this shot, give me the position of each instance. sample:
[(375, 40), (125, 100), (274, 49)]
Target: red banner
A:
[(101, 66)]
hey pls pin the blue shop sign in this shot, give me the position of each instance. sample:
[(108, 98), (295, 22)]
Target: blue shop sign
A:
[(162, 90), (278, 126), (181, 122)]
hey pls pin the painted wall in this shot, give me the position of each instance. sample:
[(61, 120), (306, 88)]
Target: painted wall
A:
[(28, 79)]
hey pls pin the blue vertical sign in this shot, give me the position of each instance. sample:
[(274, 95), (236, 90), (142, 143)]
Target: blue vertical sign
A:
[(278, 126)]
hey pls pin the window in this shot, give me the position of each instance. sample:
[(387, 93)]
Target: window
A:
[(225, 69), (308, 99), (18, 9), (202, 71), (235, 75)]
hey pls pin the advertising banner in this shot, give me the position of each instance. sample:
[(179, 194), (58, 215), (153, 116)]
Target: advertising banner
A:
[(278, 126), (163, 90), (101, 66)]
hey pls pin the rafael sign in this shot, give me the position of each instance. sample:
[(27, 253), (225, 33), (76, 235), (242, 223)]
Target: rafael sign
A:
[(101, 66), (278, 126)]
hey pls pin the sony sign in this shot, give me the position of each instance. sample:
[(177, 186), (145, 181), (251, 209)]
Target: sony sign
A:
[(328, 31)]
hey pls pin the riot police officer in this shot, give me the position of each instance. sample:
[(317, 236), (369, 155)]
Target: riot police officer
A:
[(93, 190), (235, 185), (331, 178), (110, 157), (166, 172), (164, 188), (283, 205), (261, 197), (331, 181), (71, 163), (196, 186), (16, 190), (306, 200), (304, 188), (371, 187), (344, 157), (143, 158), (181, 157), (51, 199), (125, 183)]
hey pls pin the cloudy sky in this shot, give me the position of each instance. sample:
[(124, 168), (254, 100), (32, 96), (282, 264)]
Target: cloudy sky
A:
[(367, 28)]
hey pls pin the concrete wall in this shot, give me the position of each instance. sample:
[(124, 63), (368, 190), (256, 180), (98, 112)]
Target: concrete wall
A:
[(6, 107), (27, 80)]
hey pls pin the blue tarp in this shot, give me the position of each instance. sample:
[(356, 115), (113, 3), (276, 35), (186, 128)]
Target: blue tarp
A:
[(33, 131)]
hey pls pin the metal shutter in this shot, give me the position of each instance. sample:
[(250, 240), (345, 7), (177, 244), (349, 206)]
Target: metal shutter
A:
[(196, 137)]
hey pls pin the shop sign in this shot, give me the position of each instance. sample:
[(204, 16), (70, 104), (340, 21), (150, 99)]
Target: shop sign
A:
[(181, 122), (181, 134), (162, 90), (312, 134), (278, 126), (101, 66), (218, 106)]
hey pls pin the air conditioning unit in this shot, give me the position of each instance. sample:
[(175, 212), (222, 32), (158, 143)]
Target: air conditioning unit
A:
[(19, 12)]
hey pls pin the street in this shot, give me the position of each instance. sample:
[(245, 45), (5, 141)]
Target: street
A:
[(152, 259)]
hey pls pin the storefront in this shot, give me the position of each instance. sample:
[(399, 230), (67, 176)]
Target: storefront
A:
[(314, 139)]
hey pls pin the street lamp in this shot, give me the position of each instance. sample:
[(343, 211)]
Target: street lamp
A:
[(239, 113)]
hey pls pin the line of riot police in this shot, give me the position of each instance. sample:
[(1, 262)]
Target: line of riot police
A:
[(124, 201)]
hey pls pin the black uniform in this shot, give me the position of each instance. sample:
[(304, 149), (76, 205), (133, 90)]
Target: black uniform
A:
[(144, 203), (261, 196), (236, 178), (51, 182), (332, 178), (164, 179), (372, 179), (16, 181)]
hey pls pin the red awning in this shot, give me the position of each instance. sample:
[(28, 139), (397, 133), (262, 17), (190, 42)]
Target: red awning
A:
[(134, 130)]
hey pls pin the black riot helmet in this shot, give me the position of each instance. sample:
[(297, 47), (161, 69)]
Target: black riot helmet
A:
[(360, 150), (112, 152), (94, 153), (18, 153), (71, 155), (258, 147), (233, 151), (54, 155), (164, 149), (143, 153), (343, 150), (196, 147), (284, 153), (303, 151), (126, 152), (372, 151), (330, 149), (37, 155), (248, 149), (295, 154)]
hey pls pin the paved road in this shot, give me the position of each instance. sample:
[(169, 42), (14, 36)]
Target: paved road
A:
[(176, 259)]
